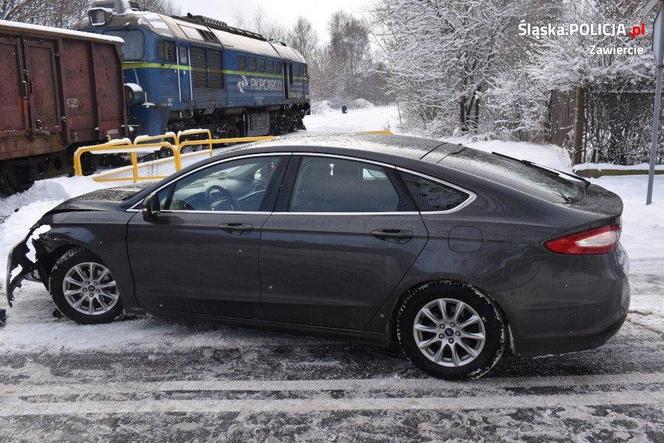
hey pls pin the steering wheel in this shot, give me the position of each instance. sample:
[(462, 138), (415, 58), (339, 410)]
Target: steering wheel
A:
[(216, 194)]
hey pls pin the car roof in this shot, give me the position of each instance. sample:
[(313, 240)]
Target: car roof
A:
[(375, 146)]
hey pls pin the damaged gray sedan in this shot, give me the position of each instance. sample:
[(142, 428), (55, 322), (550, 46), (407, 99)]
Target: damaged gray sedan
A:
[(456, 255)]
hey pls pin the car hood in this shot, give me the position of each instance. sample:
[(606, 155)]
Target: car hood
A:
[(100, 200)]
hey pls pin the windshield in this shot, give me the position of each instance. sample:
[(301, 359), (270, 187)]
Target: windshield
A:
[(133, 43), (533, 179)]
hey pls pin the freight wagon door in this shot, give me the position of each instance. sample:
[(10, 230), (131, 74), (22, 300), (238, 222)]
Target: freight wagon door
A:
[(42, 83), (13, 106)]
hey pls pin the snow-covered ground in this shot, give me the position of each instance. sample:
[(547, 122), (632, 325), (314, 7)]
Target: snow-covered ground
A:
[(182, 380)]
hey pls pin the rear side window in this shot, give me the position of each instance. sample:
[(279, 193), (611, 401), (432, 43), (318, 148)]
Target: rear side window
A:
[(433, 196), (534, 180), (326, 184), (242, 62)]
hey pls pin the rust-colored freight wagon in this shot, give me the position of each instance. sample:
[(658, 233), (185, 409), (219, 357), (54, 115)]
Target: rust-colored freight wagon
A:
[(59, 89)]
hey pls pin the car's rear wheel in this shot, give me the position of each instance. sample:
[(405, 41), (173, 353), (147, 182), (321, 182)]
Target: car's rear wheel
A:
[(451, 331), (84, 289)]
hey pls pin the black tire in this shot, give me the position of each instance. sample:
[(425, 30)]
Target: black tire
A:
[(68, 261), (495, 331)]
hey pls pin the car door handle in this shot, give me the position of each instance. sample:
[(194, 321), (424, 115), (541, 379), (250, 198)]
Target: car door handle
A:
[(236, 227), (393, 235)]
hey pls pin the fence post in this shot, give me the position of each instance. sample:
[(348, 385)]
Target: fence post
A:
[(134, 166), (579, 124)]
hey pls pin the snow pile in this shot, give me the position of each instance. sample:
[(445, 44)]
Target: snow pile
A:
[(327, 106), (322, 107), (356, 120), (360, 103)]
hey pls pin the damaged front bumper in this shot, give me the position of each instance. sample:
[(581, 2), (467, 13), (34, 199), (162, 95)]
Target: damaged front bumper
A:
[(22, 262)]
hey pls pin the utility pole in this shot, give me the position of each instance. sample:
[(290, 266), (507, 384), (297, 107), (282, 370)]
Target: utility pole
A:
[(658, 50)]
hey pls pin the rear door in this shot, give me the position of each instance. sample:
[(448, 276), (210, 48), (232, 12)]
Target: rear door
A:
[(42, 77), (338, 243)]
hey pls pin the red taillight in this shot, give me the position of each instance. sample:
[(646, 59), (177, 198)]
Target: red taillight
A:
[(593, 241)]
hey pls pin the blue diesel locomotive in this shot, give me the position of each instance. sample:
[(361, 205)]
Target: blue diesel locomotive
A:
[(197, 72)]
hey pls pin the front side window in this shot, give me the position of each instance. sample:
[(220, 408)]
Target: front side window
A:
[(433, 196), (132, 49), (237, 186), (261, 65), (326, 184)]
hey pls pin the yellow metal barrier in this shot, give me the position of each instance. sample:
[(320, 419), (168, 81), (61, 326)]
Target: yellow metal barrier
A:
[(132, 150), (380, 132), (157, 138), (189, 133), (145, 143), (112, 146), (222, 141)]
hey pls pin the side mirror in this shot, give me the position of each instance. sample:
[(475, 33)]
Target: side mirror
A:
[(150, 208)]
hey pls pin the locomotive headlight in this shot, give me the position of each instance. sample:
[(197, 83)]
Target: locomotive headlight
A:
[(134, 94), (99, 16)]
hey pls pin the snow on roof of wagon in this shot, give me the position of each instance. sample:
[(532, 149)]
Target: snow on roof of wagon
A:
[(23, 27)]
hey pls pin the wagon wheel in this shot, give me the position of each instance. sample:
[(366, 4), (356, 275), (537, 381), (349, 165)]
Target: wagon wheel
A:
[(14, 179)]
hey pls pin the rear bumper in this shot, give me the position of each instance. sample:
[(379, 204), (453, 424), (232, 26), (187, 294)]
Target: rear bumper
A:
[(570, 343), (580, 308)]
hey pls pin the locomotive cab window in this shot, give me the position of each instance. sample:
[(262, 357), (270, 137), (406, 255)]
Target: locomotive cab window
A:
[(132, 49), (166, 51)]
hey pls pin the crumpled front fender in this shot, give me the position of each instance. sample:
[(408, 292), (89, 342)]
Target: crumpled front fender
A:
[(22, 261)]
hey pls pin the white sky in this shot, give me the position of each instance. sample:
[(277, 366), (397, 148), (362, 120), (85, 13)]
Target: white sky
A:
[(283, 12)]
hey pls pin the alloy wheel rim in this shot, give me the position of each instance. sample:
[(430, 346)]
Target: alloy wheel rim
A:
[(449, 332), (90, 289)]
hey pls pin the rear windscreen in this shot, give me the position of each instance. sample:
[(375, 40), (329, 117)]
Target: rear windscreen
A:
[(531, 179)]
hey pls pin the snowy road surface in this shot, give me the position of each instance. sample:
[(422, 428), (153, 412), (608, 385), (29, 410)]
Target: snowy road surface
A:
[(157, 380)]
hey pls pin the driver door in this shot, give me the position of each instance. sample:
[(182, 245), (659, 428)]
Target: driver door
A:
[(200, 255)]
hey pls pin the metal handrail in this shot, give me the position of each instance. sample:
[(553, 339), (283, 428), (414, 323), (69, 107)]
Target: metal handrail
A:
[(132, 150), (147, 143)]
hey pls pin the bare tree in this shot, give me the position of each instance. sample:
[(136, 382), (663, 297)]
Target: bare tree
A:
[(166, 7), (64, 13), (304, 38), (61, 14)]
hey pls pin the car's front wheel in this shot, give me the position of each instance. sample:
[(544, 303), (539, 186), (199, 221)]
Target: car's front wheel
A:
[(450, 331), (84, 289)]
